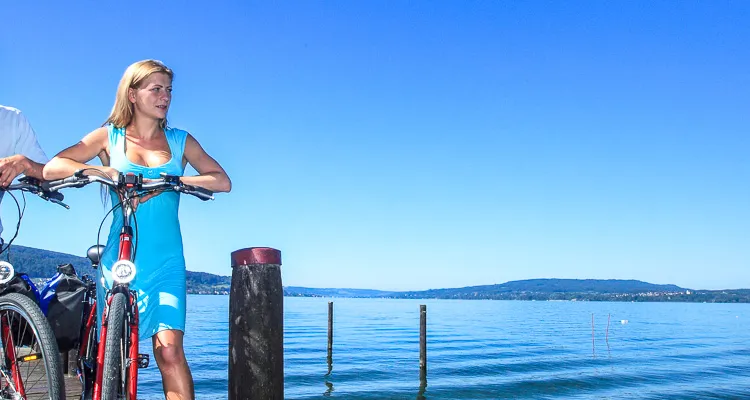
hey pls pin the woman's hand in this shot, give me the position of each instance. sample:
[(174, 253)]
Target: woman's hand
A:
[(140, 199)]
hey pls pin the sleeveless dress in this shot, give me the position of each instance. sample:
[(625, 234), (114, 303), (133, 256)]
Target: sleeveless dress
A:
[(159, 259)]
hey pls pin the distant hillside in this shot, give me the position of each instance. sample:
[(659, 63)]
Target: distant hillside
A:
[(39, 263), (42, 264), (580, 286), (531, 289), (550, 286), (552, 289), (549, 289)]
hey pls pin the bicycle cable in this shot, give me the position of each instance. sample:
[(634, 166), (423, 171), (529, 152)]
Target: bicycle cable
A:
[(135, 220), (99, 232), (18, 224)]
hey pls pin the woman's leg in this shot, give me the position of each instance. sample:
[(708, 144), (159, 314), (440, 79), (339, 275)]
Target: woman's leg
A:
[(175, 373)]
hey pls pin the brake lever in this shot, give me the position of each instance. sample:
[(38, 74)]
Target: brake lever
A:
[(52, 198), (171, 179), (58, 202)]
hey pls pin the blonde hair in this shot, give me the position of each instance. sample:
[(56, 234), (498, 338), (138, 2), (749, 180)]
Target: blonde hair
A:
[(122, 111)]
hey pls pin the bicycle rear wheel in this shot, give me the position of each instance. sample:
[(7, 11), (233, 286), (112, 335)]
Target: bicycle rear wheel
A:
[(30, 364), (114, 375)]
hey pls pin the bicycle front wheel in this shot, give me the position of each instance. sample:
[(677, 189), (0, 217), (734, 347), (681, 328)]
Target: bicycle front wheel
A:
[(31, 366), (115, 351)]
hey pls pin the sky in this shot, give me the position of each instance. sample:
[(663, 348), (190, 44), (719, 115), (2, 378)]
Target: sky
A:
[(415, 145)]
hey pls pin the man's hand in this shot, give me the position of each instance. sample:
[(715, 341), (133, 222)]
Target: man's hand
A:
[(11, 167)]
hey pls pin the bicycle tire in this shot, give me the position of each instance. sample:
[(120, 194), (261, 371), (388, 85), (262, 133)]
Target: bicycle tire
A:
[(112, 375), (37, 322)]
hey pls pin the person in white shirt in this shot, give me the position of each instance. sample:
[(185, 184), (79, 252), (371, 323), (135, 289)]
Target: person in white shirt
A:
[(20, 152)]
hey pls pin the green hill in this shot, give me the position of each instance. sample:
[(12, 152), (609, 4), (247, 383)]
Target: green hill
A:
[(41, 264)]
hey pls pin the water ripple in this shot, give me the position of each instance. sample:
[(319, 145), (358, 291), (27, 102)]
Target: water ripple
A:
[(487, 350)]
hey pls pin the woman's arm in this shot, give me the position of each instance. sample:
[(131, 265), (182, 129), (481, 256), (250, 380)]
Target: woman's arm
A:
[(211, 175), (66, 162)]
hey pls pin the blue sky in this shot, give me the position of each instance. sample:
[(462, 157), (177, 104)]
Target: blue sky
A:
[(395, 145)]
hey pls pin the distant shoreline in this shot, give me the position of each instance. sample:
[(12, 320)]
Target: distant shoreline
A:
[(42, 264), (698, 298)]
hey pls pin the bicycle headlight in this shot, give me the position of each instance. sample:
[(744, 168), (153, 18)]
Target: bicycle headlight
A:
[(123, 271), (7, 272)]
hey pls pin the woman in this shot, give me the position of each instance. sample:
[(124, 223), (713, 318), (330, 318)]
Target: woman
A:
[(136, 139)]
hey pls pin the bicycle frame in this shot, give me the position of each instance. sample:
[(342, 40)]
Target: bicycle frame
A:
[(125, 252)]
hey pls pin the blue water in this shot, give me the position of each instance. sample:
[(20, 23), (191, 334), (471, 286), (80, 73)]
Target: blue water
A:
[(487, 350)]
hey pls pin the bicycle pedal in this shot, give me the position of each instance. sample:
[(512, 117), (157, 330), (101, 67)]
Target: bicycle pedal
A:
[(143, 360)]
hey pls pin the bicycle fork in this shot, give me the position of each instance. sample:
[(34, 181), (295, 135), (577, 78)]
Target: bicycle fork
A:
[(132, 360), (10, 354)]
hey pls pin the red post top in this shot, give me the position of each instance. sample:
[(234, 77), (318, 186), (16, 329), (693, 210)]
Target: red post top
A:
[(256, 255)]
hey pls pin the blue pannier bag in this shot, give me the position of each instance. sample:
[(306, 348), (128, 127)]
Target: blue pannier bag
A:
[(61, 300)]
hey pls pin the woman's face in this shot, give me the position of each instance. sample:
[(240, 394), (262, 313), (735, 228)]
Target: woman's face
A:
[(152, 98)]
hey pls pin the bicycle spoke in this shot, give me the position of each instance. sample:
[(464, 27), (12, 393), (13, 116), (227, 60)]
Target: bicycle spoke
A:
[(29, 358), (37, 363)]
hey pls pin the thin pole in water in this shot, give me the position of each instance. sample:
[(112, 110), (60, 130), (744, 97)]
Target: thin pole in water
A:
[(593, 346), (423, 338)]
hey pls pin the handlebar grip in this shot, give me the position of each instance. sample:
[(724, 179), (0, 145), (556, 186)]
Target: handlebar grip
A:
[(199, 192), (203, 191)]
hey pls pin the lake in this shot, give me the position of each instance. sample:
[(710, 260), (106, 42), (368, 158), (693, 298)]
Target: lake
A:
[(483, 349)]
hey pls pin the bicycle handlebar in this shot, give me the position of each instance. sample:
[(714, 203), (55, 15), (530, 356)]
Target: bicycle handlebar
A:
[(130, 182), (33, 185)]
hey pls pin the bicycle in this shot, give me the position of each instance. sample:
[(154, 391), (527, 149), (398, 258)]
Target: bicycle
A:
[(26, 338), (113, 372)]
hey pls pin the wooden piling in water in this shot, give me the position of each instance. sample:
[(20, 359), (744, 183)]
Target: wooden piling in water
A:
[(423, 338), (329, 358), (256, 325), (330, 327)]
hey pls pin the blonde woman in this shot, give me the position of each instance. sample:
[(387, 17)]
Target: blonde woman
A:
[(137, 139)]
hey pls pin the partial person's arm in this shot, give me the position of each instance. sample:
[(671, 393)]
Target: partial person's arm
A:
[(29, 158), (211, 175), (75, 157)]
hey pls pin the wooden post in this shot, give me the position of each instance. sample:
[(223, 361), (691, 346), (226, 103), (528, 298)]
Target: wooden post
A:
[(330, 326), (423, 338), (256, 325), (329, 359)]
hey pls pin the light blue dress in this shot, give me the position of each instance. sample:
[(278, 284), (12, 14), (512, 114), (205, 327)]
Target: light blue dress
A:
[(159, 258)]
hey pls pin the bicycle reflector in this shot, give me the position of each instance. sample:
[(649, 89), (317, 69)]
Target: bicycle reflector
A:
[(123, 271), (6, 272)]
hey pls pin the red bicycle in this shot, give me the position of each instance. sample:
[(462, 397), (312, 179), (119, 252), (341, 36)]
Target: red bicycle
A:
[(108, 370), (29, 357)]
